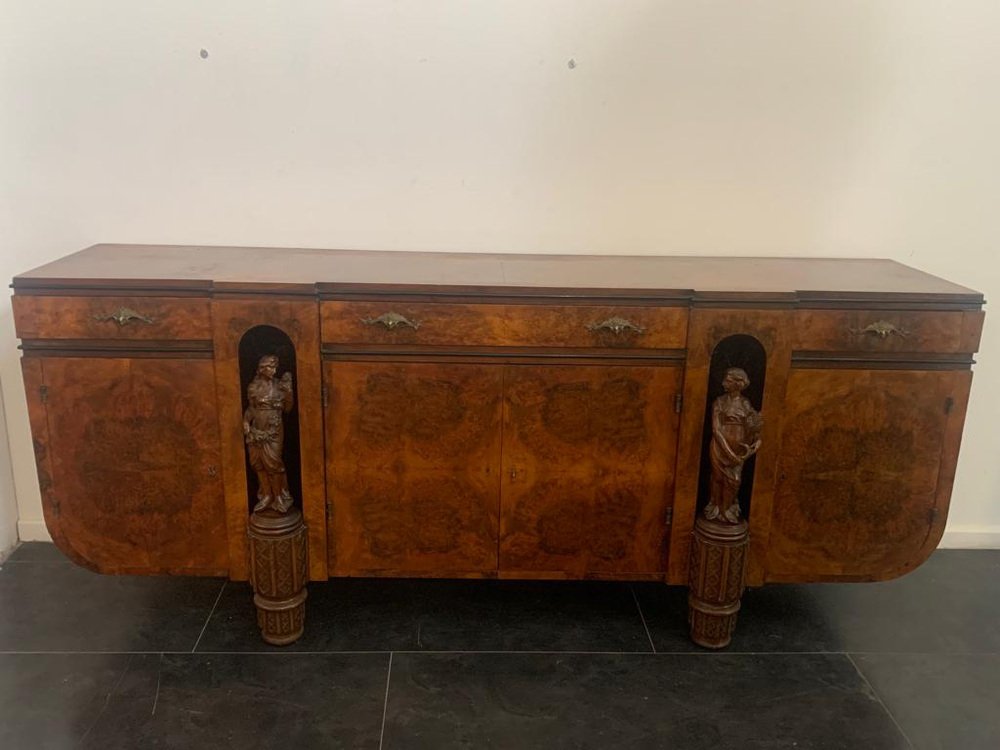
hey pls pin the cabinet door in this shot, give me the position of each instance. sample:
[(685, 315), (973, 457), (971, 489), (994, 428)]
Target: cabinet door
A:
[(588, 470), (860, 471), (413, 458), (134, 459)]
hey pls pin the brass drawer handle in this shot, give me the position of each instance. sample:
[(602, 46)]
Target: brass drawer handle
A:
[(391, 321), (123, 316), (881, 328), (616, 326)]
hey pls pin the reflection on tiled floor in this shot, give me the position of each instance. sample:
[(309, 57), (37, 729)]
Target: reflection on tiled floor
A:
[(89, 661)]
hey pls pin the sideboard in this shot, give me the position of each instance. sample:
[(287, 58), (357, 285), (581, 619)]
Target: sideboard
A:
[(495, 416)]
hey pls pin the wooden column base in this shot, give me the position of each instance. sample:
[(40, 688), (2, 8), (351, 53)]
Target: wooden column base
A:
[(278, 573), (717, 579)]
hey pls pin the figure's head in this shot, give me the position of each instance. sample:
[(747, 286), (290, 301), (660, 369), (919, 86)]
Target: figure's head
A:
[(735, 380), (268, 366)]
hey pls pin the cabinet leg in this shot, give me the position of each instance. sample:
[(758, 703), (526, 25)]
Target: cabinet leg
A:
[(717, 579), (278, 569)]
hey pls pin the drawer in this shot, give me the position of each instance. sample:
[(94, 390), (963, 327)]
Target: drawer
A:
[(887, 330), (445, 324), (45, 317)]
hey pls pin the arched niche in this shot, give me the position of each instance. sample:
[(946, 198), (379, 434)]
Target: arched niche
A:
[(258, 342), (747, 353)]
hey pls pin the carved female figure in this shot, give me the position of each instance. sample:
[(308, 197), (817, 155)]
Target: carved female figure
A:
[(736, 429), (264, 433)]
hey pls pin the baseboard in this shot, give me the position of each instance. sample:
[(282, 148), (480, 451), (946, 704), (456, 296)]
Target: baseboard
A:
[(971, 537), (33, 531)]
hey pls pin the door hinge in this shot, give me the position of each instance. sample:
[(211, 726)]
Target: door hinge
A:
[(949, 403), (324, 395), (43, 393), (678, 402), (668, 518)]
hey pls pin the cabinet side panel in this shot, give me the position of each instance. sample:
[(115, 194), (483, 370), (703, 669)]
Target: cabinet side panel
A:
[(36, 392), (134, 460), (865, 472)]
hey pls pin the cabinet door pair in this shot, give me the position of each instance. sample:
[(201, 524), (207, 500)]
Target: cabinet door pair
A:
[(518, 470)]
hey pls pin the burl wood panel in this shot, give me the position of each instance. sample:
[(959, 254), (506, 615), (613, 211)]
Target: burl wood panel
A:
[(413, 455), (45, 317), (445, 324), (858, 491), (588, 458), (134, 457), (887, 330), (707, 328), (231, 319)]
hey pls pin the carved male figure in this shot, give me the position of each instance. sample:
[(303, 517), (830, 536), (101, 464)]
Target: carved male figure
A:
[(263, 430), (736, 429)]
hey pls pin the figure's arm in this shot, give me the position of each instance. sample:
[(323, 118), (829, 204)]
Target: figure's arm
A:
[(755, 423), (288, 400), (247, 417)]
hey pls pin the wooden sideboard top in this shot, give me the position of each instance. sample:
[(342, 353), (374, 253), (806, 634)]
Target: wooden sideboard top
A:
[(192, 269)]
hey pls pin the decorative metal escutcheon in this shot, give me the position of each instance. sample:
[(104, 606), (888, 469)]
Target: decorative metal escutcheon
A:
[(881, 328), (616, 326), (391, 321), (123, 316)]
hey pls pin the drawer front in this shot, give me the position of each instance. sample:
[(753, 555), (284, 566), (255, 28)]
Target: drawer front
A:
[(887, 331), (45, 317), (443, 324)]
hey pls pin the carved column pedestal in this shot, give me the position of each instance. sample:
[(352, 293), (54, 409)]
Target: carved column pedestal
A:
[(278, 571), (717, 580)]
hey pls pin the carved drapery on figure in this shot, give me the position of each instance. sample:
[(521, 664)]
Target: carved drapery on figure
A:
[(736, 429), (263, 429)]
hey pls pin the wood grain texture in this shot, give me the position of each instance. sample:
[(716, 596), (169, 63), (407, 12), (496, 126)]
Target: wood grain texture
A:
[(913, 331), (231, 319), (588, 457), (443, 324), (860, 471), (45, 317), (707, 328), (704, 278), (413, 452), (134, 456)]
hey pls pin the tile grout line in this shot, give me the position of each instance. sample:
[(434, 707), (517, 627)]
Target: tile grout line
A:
[(879, 699), (209, 618), (642, 617), (385, 703)]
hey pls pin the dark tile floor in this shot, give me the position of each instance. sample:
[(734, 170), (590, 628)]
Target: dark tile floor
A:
[(89, 661)]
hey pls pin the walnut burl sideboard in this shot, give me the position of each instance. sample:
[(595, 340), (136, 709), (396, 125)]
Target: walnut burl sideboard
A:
[(283, 416)]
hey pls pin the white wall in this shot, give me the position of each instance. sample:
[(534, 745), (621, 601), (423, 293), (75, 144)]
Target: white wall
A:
[(805, 127)]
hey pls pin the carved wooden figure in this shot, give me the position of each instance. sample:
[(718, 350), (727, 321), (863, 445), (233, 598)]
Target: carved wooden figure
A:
[(736, 429), (721, 536), (277, 533), (264, 432)]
